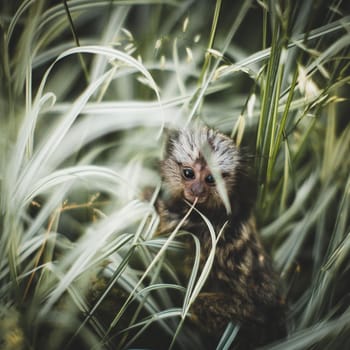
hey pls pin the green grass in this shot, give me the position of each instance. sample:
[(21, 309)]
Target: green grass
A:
[(87, 88)]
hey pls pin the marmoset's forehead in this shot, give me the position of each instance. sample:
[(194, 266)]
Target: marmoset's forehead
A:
[(194, 144)]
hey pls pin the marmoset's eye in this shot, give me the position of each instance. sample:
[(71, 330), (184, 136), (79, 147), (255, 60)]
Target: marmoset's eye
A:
[(188, 173), (210, 179)]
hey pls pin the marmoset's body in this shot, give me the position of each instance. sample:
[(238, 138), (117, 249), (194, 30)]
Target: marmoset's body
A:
[(242, 286)]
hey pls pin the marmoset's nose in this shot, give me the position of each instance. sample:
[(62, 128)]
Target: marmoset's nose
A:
[(198, 188)]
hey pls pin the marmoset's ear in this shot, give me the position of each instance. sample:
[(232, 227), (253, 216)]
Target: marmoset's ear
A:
[(170, 135)]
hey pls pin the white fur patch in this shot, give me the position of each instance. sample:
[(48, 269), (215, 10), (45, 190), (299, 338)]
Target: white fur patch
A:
[(189, 146)]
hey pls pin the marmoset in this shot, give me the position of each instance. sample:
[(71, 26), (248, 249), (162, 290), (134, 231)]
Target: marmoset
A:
[(242, 286)]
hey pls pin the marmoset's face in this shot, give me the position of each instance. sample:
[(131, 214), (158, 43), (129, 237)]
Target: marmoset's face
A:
[(198, 182), (185, 170)]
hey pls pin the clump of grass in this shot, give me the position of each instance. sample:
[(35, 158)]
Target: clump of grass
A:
[(87, 90)]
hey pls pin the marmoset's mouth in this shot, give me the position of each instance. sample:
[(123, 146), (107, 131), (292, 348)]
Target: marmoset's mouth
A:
[(191, 198)]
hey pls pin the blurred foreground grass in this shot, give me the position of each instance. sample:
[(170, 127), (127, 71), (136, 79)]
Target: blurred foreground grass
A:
[(87, 88)]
